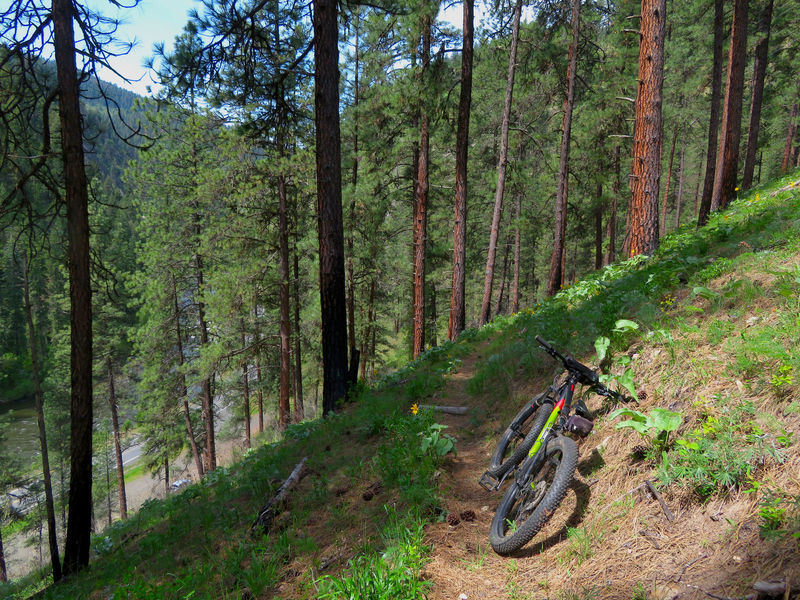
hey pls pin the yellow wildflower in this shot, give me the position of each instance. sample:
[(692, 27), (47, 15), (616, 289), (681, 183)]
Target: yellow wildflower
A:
[(414, 408)]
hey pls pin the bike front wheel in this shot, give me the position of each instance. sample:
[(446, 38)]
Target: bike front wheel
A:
[(528, 504), (518, 438)]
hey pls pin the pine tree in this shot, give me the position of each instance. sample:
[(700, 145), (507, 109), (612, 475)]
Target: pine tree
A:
[(647, 141)]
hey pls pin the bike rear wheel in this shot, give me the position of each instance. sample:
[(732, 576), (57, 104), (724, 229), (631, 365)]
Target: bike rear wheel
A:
[(518, 438), (528, 504)]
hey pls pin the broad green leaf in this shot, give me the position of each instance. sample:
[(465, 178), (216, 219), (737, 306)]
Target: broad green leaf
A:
[(626, 381), (637, 425), (628, 412), (601, 345), (665, 420), (624, 325)]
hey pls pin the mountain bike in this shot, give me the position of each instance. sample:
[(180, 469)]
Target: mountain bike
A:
[(549, 458)]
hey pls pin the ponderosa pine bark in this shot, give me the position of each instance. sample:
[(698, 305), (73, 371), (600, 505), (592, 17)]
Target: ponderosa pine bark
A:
[(421, 201), (517, 256), (648, 134), (184, 395), (502, 164), (38, 395), (787, 148), (759, 75), (283, 293), (257, 346), (112, 403), (299, 409), (679, 199), (663, 222), (598, 228), (329, 204), (713, 120), (205, 384), (556, 278), (79, 526), (245, 385), (351, 284), (611, 225), (457, 321), (728, 155)]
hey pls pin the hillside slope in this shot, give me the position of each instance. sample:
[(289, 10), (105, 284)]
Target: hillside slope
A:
[(387, 511)]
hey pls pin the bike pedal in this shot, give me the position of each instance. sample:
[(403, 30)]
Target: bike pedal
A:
[(489, 482)]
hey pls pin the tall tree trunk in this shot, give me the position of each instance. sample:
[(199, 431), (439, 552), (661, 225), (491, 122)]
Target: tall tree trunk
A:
[(112, 403), (556, 278), (351, 286), (76, 545), (434, 317), (501, 296), (166, 476), (728, 156), (329, 204), (648, 134), (700, 177), (713, 121), (421, 201), (39, 400), (208, 398), (257, 345), (679, 200), (283, 273), (787, 148), (611, 225), (663, 222), (457, 321), (502, 163), (3, 572), (366, 354), (517, 256), (299, 410), (598, 228), (245, 386), (184, 395), (759, 74)]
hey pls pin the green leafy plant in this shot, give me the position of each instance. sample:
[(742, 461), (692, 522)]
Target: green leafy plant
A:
[(783, 377), (723, 452), (437, 444), (656, 426)]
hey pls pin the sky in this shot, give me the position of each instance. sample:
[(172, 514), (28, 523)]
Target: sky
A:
[(154, 21), (150, 22)]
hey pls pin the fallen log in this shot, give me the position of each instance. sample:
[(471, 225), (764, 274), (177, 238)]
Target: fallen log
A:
[(450, 410), (271, 509)]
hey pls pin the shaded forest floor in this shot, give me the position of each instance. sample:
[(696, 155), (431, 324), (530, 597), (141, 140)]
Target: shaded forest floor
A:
[(383, 514)]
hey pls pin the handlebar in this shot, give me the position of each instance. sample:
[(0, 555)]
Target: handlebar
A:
[(585, 375)]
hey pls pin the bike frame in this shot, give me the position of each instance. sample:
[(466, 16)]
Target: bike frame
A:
[(564, 404)]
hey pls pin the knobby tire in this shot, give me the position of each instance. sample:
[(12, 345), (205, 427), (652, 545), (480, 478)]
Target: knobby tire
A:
[(523, 512)]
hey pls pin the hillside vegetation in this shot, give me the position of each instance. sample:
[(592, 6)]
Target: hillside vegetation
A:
[(391, 507)]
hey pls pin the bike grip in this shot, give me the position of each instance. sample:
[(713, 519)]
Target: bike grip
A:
[(543, 343)]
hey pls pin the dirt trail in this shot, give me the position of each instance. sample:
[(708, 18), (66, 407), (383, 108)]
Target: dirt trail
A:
[(620, 544)]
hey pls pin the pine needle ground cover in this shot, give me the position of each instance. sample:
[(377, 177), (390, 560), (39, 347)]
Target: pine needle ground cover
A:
[(391, 504)]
